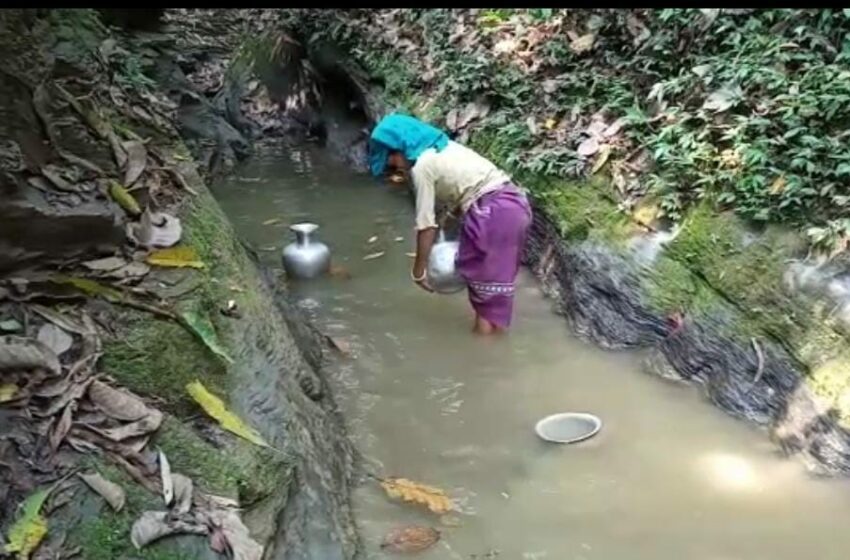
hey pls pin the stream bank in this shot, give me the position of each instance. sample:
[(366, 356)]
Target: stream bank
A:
[(81, 104), (771, 351)]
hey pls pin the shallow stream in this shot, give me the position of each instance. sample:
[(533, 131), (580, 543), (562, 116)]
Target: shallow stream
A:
[(668, 477)]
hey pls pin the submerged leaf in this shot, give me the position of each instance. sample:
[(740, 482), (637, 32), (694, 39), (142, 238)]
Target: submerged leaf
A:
[(30, 528), (409, 491), (109, 491), (176, 257), (204, 330), (413, 538), (124, 199), (216, 408)]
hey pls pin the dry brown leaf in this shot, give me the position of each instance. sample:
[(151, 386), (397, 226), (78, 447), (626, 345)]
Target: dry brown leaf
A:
[(60, 430), (778, 186), (117, 403), (239, 541), (588, 147), (153, 525), (601, 159), (183, 488), (54, 338), (60, 320), (105, 264), (414, 492), (20, 353), (137, 157), (109, 491), (583, 44), (410, 539), (142, 427)]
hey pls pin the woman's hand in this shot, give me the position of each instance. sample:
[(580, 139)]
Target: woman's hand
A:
[(421, 280)]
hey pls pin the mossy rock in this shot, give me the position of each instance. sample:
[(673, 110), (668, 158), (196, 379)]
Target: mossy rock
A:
[(237, 469)]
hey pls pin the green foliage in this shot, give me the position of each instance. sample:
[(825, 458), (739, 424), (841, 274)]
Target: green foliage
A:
[(745, 109)]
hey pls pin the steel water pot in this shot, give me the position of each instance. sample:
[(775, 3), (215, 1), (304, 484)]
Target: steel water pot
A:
[(305, 257), (441, 269)]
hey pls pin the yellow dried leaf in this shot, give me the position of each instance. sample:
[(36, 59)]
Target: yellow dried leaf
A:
[(124, 199), (550, 123), (30, 528), (217, 410), (414, 492), (176, 257), (583, 43), (778, 185), (601, 159), (646, 214), (7, 391)]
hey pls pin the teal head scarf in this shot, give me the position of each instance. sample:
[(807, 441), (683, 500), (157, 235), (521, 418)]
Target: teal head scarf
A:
[(401, 133)]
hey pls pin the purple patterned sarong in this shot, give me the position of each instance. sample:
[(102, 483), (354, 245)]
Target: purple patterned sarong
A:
[(491, 241)]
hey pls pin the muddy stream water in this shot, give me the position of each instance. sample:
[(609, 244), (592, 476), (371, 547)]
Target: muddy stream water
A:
[(668, 477)]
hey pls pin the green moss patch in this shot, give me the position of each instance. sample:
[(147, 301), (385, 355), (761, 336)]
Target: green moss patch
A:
[(242, 470)]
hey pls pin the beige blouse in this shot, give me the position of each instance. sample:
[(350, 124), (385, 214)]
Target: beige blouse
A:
[(455, 176)]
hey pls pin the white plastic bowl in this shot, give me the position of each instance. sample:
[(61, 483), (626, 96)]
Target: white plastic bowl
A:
[(568, 427)]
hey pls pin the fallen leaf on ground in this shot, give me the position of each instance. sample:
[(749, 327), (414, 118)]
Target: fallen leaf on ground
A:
[(601, 159), (272, 221), (109, 491), (124, 199), (399, 239), (20, 353), (90, 287), (176, 257), (201, 327), (156, 229), (165, 476), (236, 535), (142, 427), (54, 338), (10, 325), (373, 256), (409, 491), (136, 160), (413, 538), (588, 147), (411, 255), (7, 392), (217, 410), (583, 43), (117, 403), (372, 239), (30, 528), (60, 320), (153, 525), (105, 264), (183, 488), (60, 429), (778, 185)]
